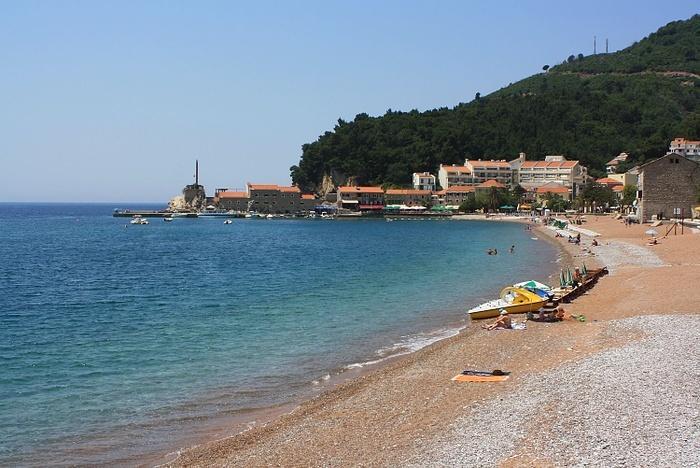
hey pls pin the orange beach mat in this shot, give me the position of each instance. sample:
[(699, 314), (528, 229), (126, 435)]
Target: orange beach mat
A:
[(480, 378)]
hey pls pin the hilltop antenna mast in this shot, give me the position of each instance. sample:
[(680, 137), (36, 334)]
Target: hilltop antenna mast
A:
[(594, 49), (606, 45), (196, 172)]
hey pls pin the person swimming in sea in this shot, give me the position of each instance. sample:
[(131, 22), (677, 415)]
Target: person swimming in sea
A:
[(512, 249)]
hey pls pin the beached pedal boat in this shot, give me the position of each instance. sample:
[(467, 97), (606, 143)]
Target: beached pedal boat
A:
[(513, 300)]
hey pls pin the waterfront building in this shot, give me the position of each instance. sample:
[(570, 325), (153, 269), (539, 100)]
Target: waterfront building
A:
[(487, 186), (668, 187), (361, 198), (271, 198), (231, 200), (309, 201), (483, 171), (452, 175), (423, 181), (612, 166), (687, 148), (456, 195), (408, 197), (557, 169), (552, 188)]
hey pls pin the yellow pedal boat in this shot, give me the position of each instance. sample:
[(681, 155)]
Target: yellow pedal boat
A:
[(513, 300)]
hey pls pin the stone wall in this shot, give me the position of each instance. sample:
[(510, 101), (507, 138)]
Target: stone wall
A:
[(670, 182)]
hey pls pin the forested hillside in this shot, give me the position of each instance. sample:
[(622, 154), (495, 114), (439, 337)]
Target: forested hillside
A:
[(588, 108)]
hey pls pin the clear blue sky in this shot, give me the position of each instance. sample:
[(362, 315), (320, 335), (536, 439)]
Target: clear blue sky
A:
[(113, 101)]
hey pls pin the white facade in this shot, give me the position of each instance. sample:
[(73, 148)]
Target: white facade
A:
[(451, 175), (554, 169), (688, 148), (423, 181), (484, 170)]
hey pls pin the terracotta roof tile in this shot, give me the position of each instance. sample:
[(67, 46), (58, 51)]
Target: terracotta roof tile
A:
[(552, 189), (228, 194), (292, 189), (263, 186), (407, 192), (482, 163), (608, 181), (462, 169), (360, 190), (460, 189), (492, 183), (548, 164)]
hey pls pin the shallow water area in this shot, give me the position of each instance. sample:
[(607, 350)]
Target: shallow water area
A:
[(119, 341)]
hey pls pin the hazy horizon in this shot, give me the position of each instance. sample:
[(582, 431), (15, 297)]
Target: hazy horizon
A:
[(113, 102)]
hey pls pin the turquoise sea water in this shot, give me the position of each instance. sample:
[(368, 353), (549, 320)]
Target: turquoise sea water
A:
[(116, 342)]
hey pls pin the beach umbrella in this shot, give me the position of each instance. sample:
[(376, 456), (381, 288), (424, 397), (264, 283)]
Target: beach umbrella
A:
[(562, 281), (651, 232), (584, 270)]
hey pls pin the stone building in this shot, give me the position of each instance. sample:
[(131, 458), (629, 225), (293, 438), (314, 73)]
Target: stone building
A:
[(456, 195), (271, 198), (229, 200), (668, 187), (309, 201)]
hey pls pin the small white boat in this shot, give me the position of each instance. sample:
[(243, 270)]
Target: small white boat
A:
[(270, 216), (138, 220), (168, 220), (228, 221)]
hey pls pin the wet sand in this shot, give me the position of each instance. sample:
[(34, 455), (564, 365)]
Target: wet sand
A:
[(402, 411)]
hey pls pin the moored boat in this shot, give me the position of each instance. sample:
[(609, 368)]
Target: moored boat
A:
[(137, 219), (513, 300)]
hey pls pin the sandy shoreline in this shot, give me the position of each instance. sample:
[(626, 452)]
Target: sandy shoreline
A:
[(397, 412)]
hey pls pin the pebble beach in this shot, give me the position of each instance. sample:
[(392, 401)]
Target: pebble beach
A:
[(617, 390)]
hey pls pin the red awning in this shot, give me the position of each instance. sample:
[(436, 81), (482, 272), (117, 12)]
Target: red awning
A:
[(371, 207)]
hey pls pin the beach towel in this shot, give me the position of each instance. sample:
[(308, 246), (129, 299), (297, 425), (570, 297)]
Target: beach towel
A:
[(480, 378)]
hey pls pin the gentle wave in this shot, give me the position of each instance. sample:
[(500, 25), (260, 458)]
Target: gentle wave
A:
[(407, 345)]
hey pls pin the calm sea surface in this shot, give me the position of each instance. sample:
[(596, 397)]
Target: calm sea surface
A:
[(118, 342)]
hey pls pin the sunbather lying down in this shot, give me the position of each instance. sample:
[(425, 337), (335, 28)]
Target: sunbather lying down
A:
[(556, 315), (503, 321)]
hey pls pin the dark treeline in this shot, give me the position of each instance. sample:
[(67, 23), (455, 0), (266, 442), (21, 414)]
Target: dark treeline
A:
[(587, 117)]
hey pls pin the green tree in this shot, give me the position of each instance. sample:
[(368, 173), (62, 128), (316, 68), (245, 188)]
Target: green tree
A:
[(629, 195), (468, 205), (556, 202), (585, 118), (596, 195), (517, 193)]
